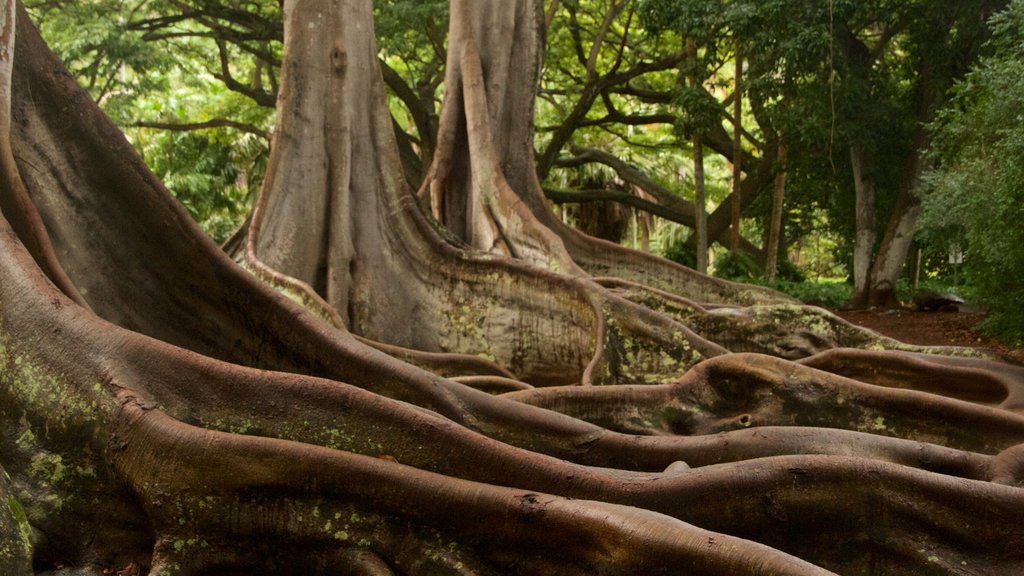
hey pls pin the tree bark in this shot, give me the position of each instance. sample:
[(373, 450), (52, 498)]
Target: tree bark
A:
[(700, 201), (569, 250)]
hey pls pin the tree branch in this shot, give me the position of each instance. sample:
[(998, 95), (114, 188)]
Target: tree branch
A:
[(633, 176), (622, 197), (217, 123), (261, 97)]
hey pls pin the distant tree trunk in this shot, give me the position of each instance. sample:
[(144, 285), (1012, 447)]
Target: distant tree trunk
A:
[(699, 199), (899, 235), (605, 220), (864, 240), (644, 222), (737, 154), (775, 222)]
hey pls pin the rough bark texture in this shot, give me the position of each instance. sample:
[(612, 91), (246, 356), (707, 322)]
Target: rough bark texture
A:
[(191, 420), (503, 66)]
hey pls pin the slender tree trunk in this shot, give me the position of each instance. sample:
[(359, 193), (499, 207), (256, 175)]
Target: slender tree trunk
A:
[(775, 223), (737, 155), (700, 202)]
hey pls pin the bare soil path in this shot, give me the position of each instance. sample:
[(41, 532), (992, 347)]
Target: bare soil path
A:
[(931, 328)]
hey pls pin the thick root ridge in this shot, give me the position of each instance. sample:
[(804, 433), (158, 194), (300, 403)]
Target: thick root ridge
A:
[(244, 489), (741, 391)]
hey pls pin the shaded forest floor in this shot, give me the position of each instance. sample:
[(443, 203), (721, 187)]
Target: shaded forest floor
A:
[(931, 328)]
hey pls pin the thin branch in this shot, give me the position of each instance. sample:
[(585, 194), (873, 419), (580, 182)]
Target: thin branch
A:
[(632, 175), (622, 197), (216, 123), (261, 97)]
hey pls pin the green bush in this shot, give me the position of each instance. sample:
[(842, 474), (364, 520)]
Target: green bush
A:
[(678, 252), (974, 193), (824, 293), (738, 267)]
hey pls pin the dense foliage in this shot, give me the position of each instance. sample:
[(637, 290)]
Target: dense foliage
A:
[(974, 199), (159, 77)]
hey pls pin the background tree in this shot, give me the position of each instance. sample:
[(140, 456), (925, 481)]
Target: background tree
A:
[(883, 101), (861, 80), (973, 200)]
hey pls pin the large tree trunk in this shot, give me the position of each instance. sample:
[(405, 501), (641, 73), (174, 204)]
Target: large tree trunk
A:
[(192, 421), (877, 274), (368, 259), (364, 247), (892, 254), (899, 233), (864, 226), (509, 102)]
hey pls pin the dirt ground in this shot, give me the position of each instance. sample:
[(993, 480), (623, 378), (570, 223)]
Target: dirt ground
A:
[(931, 328)]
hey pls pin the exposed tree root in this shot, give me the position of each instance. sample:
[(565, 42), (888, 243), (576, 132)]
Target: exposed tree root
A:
[(783, 330), (216, 499), (971, 379), (331, 506), (739, 391)]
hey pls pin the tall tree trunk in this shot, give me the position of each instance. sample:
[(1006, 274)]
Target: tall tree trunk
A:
[(367, 258), (899, 235), (489, 93), (865, 235), (699, 200), (736, 206), (567, 250), (775, 222)]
